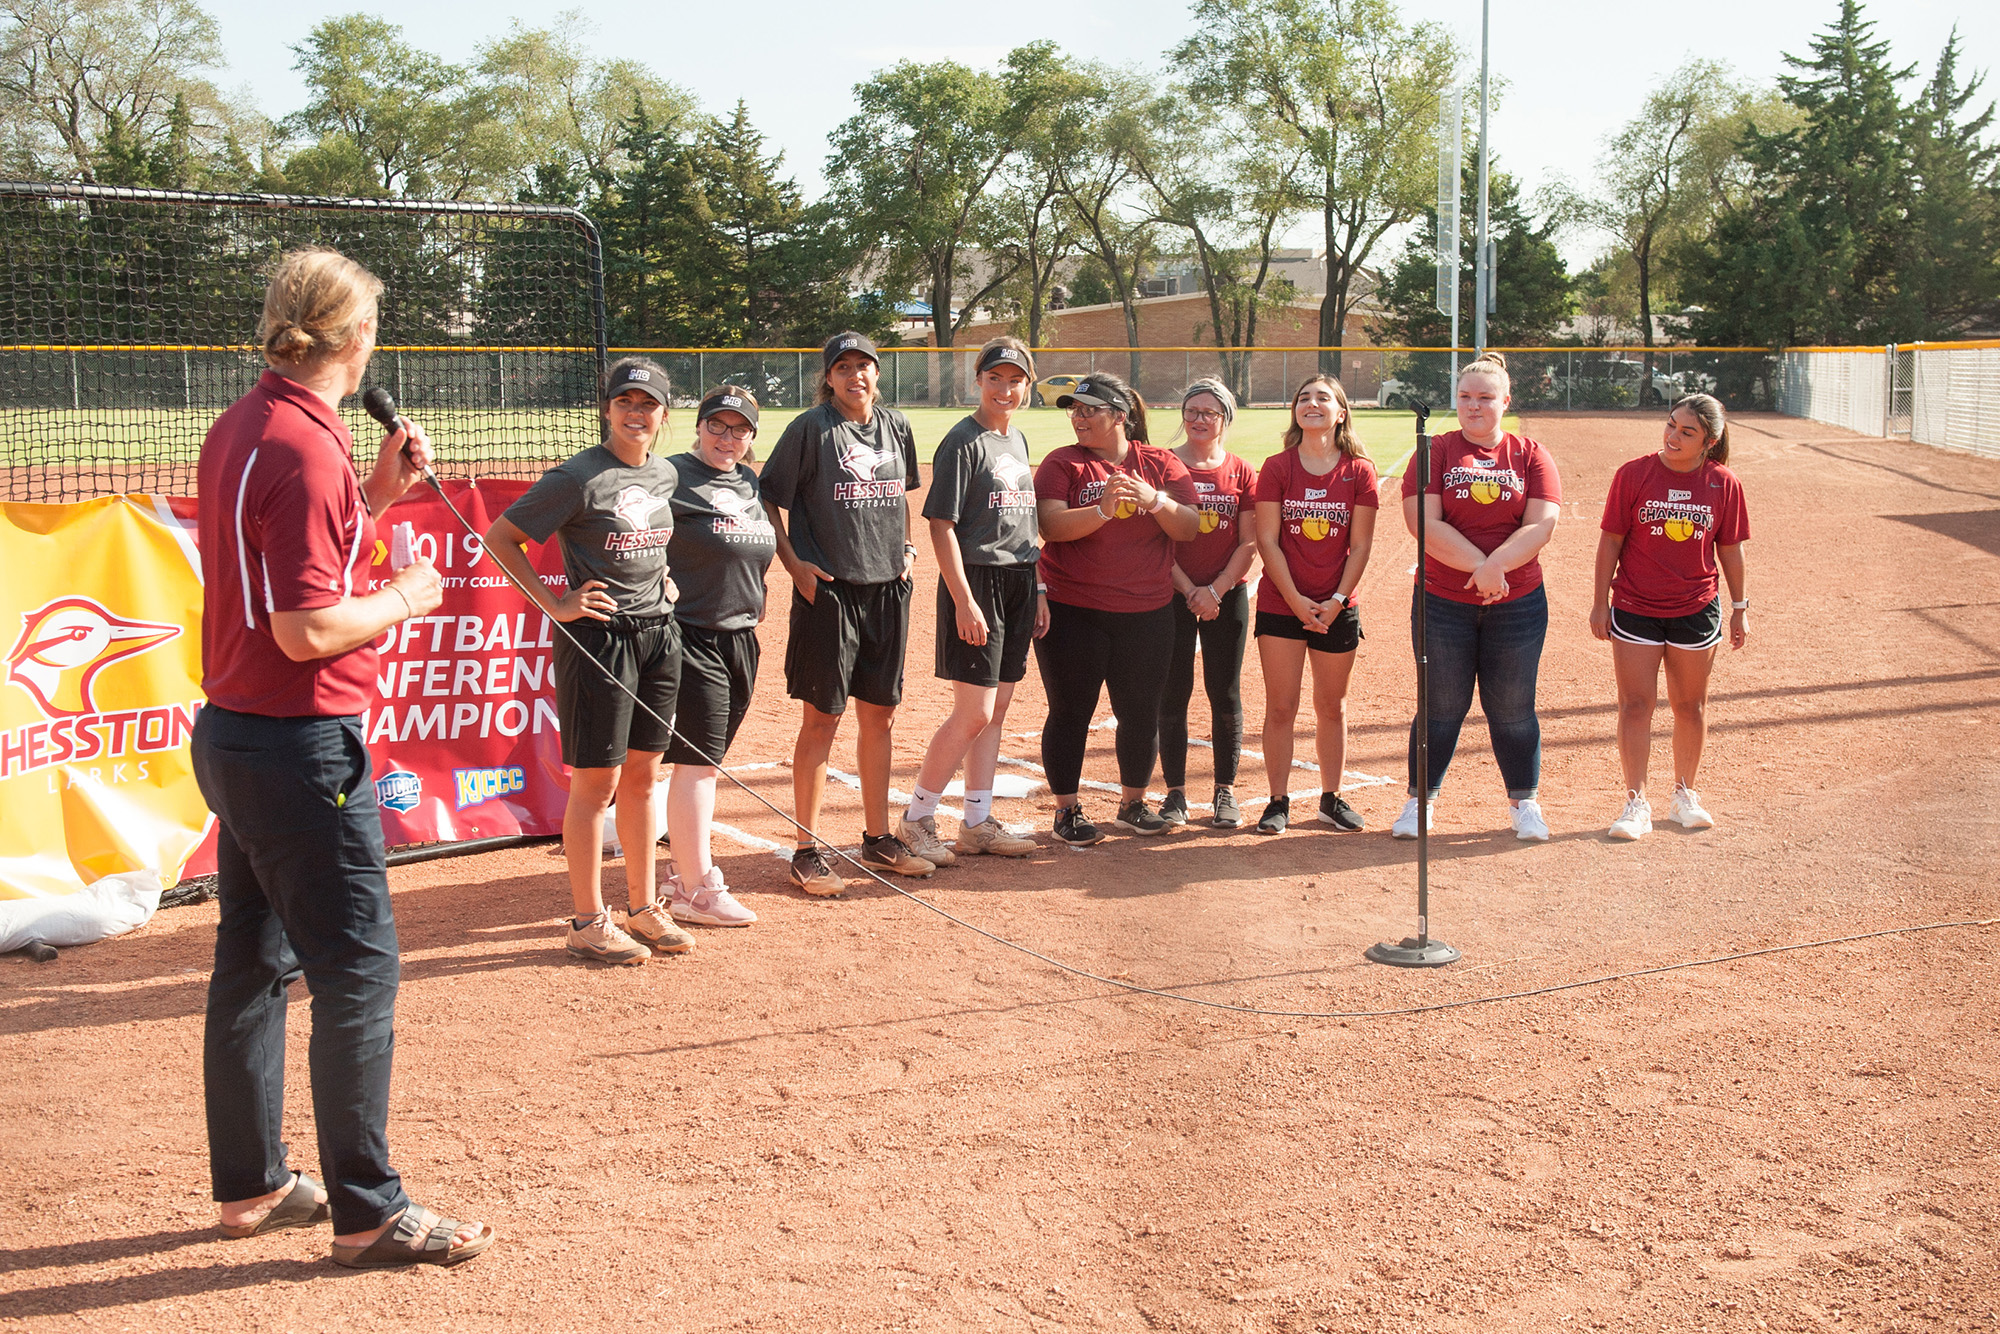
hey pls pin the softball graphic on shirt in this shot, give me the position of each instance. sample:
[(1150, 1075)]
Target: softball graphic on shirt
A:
[(1486, 492), (1210, 521), (1680, 530)]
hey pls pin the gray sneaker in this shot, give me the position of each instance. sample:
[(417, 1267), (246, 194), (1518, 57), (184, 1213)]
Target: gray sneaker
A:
[(1174, 810), (1140, 818), (1227, 814)]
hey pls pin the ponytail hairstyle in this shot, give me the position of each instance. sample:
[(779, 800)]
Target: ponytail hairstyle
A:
[(1344, 438), (1707, 409), (1492, 364), (1135, 417), (314, 307)]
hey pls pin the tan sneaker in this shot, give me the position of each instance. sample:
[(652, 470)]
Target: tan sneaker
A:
[(653, 928), (601, 942), (921, 837), (989, 835), (811, 873), (887, 853)]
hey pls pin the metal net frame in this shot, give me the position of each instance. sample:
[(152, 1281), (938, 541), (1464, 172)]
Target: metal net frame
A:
[(128, 321)]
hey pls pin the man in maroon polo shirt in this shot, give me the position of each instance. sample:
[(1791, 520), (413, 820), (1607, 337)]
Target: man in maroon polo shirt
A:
[(288, 659)]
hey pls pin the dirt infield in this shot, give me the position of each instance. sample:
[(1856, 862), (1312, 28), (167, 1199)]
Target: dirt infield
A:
[(856, 1115)]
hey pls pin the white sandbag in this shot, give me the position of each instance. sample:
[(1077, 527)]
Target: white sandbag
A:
[(110, 907)]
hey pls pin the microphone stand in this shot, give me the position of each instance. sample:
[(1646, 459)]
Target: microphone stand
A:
[(1420, 951)]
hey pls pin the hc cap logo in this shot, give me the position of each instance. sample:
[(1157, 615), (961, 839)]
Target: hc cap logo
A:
[(65, 643), (731, 401), (637, 373)]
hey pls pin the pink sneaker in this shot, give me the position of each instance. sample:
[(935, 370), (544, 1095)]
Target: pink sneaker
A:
[(710, 905)]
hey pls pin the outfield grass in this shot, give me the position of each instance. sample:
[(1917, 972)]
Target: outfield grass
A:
[(42, 438)]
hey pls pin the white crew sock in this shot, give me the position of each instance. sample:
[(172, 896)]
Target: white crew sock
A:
[(978, 807), (924, 803)]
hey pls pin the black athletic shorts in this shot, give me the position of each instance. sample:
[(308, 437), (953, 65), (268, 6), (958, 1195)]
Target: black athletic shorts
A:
[(1006, 594), (849, 640), (1343, 636), (718, 673), (1695, 631), (599, 721)]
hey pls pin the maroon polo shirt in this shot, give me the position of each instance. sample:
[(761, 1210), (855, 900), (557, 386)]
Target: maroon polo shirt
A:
[(283, 527)]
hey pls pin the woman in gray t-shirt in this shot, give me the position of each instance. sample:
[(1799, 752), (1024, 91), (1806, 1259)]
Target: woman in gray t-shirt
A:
[(611, 508)]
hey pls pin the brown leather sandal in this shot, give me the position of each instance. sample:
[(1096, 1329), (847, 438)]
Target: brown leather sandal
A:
[(301, 1207), (417, 1237)]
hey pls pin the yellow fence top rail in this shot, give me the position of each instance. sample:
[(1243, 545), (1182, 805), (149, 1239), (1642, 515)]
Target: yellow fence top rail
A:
[(1658, 349)]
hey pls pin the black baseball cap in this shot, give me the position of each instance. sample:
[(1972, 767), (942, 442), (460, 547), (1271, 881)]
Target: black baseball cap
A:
[(647, 379), (848, 342), (745, 407), (1097, 394), (1004, 356)]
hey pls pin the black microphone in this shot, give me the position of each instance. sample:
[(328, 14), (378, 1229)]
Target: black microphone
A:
[(380, 404)]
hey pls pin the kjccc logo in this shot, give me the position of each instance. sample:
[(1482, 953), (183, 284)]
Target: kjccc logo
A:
[(63, 646)]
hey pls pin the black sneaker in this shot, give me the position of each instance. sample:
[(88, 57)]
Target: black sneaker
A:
[(1277, 814), (1334, 810), (1174, 809), (889, 853), (1227, 814), (1140, 818), (1074, 830)]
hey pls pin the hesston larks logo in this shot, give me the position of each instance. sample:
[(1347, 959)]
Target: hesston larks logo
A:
[(63, 647)]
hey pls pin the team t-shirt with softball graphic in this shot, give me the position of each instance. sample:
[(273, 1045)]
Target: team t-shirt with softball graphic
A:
[(614, 520), (723, 543), (1315, 521), (841, 484), (983, 484), (1128, 563), (1224, 494), (1672, 522), (1484, 492)]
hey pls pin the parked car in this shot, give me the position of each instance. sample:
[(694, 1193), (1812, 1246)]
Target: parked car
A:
[(1049, 390)]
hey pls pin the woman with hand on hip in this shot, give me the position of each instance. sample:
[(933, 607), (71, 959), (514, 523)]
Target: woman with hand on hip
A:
[(610, 508), (1111, 506), (1491, 502), (722, 545), (1211, 575), (981, 508), (1673, 520), (1316, 503)]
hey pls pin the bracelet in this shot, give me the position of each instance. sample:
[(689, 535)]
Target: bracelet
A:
[(406, 602), (1041, 588), (1213, 594), (1744, 605), (1159, 502), (910, 547)]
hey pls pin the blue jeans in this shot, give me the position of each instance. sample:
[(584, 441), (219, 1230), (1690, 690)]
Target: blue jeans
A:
[(304, 893), (1500, 648)]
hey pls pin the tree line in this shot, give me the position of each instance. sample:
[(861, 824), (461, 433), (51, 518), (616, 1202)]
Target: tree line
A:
[(1853, 202)]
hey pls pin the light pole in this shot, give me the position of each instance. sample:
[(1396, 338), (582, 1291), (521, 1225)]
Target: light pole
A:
[(1482, 259)]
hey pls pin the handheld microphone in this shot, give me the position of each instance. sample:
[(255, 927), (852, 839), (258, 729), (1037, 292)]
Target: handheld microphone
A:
[(380, 404)]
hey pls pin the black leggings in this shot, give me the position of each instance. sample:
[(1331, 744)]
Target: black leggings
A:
[(1222, 643), (1085, 652)]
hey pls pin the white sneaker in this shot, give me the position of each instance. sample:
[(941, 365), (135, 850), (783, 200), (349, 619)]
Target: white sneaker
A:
[(921, 837), (1406, 823), (711, 905), (1529, 826), (1637, 820), (1687, 811)]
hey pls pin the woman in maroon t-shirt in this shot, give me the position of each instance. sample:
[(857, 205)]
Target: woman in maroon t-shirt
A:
[(1491, 502), (1316, 503), (1673, 519), (1110, 507), (1211, 574)]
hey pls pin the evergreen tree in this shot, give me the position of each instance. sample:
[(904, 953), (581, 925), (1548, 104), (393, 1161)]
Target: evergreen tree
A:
[(1950, 260)]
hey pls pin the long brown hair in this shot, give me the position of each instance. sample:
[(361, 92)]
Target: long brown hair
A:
[(1707, 410), (314, 306), (1344, 438)]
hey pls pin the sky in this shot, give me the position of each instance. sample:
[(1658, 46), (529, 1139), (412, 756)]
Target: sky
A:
[(1574, 71)]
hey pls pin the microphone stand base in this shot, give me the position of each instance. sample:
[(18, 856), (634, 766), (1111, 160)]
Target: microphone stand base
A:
[(1412, 954)]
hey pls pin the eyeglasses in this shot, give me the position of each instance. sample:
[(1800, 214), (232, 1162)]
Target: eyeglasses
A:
[(1084, 410), (1200, 415), (716, 426)]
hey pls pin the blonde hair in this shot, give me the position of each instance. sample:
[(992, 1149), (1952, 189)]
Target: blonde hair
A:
[(1344, 438), (1008, 340), (1707, 410), (1489, 363), (314, 306)]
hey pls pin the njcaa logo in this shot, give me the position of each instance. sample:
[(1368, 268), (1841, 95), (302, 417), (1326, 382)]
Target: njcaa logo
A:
[(481, 785), (399, 790), (63, 646), (1482, 482)]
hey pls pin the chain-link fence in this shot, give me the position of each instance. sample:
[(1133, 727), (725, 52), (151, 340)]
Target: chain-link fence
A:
[(1944, 394), (1954, 396)]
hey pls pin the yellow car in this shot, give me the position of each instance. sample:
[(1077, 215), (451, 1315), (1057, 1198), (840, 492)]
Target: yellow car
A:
[(1049, 390)]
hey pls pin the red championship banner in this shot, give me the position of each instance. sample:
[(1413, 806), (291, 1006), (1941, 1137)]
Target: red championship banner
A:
[(463, 731)]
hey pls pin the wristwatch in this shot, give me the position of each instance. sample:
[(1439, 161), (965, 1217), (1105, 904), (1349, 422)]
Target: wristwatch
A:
[(1744, 605)]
